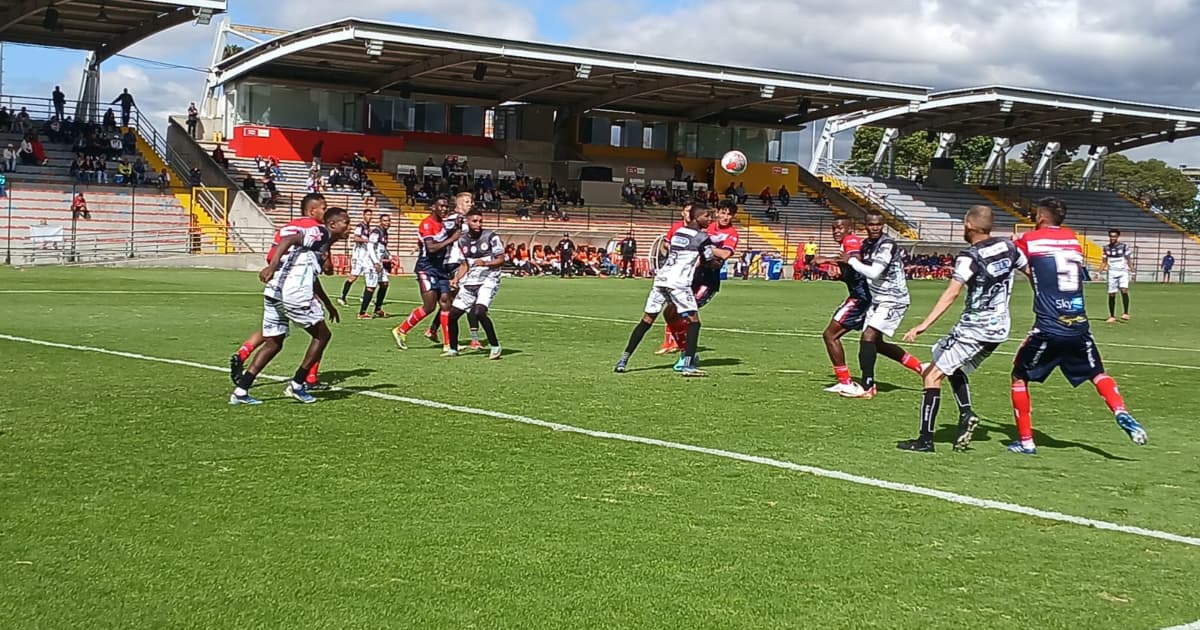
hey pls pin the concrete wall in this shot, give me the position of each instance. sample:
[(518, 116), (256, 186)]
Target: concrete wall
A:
[(194, 155)]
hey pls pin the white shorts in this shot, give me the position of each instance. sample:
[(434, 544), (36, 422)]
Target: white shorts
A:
[(885, 317), (360, 265), (955, 352), (277, 314), (1117, 280), (481, 295), (375, 278), (683, 299)]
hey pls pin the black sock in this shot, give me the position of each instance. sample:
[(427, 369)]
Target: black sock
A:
[(962, 393), (635, 338), (301, 374), (489, 329), (1112, 305), (452, 334), (246, 380), (929, 411), (693, 340), (472, 320), (379, 296), (436, 323), (1125, 302), (346, 289), (867, 353), (366, 300)]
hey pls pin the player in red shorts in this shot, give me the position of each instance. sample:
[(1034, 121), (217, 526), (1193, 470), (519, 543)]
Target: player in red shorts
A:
[(312, 208), (707, 281)]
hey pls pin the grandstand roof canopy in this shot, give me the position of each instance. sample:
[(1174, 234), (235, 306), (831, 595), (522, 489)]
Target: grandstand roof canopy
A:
[(1024, 115), (104, 26), (376, 57)]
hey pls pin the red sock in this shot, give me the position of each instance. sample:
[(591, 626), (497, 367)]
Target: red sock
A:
[(678, 329), (245, 351), (911, 362), (668, 335), (414, 318), (445, 321), (312, 374), (843, 374), (1109, 392), (1022, 410)]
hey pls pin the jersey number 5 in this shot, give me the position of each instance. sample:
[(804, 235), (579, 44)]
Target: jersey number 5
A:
[(1070, 269)]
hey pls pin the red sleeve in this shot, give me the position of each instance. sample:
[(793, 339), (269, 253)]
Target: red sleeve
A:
[(1022, 244), (851, 244), (674, 228), (731, 240), (428, 228)]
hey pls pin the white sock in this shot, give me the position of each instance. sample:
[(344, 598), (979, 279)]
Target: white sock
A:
[(474, 334), (239, 392), (296, 385)]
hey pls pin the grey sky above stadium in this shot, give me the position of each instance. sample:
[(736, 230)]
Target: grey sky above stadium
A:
[(1140, 51)]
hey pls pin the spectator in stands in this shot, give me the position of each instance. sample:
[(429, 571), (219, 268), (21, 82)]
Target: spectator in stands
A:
[(628, 249), (574, 198), (10, 158), (125, 99), (100, 169), (25, 152), (110, 121), (772, 212), (163, 180), (194, 177), (537, 264), (139, 172), (1168, 263), (765, 196), (79, 209), (218, 156), (5, 118), (785, 197), (21, 124), (316, 152), (116, 147), (53, 129), (429, 161), (124, 172), (193, 120), (129, 142), (60, 102)]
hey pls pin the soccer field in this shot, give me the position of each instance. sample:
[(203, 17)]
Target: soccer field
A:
[(433, 493)]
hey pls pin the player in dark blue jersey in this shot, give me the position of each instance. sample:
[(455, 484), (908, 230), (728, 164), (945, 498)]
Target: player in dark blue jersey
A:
[(436, 238), (851, 314), (1061, 336)]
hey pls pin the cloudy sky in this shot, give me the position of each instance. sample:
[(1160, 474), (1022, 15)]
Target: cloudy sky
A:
[(1143, 50)]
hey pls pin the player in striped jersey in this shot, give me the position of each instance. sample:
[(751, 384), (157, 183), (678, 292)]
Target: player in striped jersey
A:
[(1061, 336), (360, 261), (376, 276), (312, 207), (1116, 263), (881, 262), (294, 294), (479, 255)]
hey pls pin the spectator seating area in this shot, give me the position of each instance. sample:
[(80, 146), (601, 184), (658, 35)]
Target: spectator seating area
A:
[(938, 213), (805, 219)]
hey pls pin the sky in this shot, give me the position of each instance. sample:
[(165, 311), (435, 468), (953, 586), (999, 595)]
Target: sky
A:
[(1142, 51)]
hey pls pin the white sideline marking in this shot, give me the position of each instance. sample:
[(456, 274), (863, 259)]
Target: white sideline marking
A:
[(611, 320), (951, 497), (1195, 625)]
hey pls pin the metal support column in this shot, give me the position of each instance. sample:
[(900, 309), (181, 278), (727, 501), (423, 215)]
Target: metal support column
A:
[(1095, 162), (946, 142), (89, 91), (824, 150), (885, 144), (1043, 165), (997, 157)]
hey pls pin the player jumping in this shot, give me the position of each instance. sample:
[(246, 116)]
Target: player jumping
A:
[(986, 269), (360, 255), (436, 238), (378, 262), (479, 255), (707, 280), (690, 245), (1061, 336), (851, 313), (293, 294), (312, 207), (1116, 262), (881, 263)]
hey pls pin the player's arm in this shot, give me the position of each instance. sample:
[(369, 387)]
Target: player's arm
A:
[(875, 269), (285, 244), (433, 246), (949, 296), (373, 251), (497, 261), (321, 295)]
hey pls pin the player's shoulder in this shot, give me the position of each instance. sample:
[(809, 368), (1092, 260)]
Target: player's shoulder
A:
[(851, 243)]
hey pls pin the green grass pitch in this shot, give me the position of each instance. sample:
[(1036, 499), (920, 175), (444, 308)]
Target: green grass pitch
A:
[(133, 496)]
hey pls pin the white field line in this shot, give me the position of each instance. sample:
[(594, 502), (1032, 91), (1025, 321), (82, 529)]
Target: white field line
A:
[(1195, 625), (611, 320), (950, 497)]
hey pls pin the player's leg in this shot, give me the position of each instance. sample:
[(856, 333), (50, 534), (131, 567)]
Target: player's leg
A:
[(483, 302), (237, 360), (381, 294), (931, 402), (274, 330), (298, 388), (672, 324), (1034, 361), (473, 328), (849, 316), (1081, 363), (882, 321), (445, 299), (429, 299), (346, 286), (1125, 298), (452, 331), (867, 353), (655, 303), (371, 283)]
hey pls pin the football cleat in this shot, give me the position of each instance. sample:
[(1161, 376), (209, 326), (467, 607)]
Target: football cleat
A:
[(475, 345), (849, 390), (966, 430), (495, 353), (1131, 426), (1020, 449), (666, 348), (1125, 317), (401, 338), (235, 367), (693, 372), (868, 393), (449, 352), (380, 313), (681, 362), (918, 445), (342, 302), (1110, 320), (299, 393), (432, 336), (318, 387), (234, 399), (364, 316), (620, 367), (925, 366)]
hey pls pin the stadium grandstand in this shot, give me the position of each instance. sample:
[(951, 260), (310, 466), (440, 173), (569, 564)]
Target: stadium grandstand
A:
[(86, 182)]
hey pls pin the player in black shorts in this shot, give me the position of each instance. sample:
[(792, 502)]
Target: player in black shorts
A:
[(851, 314)]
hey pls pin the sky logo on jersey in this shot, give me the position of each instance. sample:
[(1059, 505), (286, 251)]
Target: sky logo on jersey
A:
[(1071, 304)]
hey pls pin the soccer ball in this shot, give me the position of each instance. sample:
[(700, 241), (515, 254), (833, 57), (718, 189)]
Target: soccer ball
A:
[(734, 162)]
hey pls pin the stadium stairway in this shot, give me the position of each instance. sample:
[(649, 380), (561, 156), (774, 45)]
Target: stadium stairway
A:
[(852, 193), (395, 192), (1168, 222), (214, 236)]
